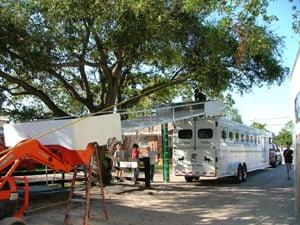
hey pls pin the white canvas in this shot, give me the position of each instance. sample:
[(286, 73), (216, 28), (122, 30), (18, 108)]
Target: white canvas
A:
[(75, 136)]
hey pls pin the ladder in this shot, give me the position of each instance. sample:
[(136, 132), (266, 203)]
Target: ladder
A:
[(88, 172)]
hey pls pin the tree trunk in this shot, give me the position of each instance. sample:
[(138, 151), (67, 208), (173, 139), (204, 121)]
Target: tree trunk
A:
[(105, 165)]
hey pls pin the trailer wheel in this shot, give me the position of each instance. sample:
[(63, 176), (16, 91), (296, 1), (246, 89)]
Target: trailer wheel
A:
[(239, 174), (187, 179), (12, 221), (197, 178), (274, 164), (244, 173)]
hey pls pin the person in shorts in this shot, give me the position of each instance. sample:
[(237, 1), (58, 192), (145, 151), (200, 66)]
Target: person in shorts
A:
[(119, 155)]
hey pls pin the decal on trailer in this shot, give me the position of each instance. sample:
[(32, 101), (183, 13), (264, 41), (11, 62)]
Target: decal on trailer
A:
[(194, 157), (207, 159)]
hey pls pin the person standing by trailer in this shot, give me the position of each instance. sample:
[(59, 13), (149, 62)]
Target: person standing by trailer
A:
[(152, 155), (288, 159), (135, 156), (119, 156)]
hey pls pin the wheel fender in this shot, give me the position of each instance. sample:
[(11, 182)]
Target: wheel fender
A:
[(233, 167), (12, 221)]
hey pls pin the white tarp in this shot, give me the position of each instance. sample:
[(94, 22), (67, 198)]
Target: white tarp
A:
[(76, 136)]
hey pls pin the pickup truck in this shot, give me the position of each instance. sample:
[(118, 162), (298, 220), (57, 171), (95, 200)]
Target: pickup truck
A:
[(275, 156)]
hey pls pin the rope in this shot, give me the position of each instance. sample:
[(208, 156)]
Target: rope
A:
[(92, 114), (45, 207)]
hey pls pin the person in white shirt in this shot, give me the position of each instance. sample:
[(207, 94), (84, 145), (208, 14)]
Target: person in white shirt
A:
[(119, 155), (152, 155)]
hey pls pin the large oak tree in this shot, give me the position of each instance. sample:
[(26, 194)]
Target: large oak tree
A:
[(66, 57)]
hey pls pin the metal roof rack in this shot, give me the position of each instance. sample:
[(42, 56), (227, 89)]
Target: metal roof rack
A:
[(136, 120)]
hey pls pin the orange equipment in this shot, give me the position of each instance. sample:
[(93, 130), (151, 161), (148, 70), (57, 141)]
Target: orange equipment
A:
[(56, 157)]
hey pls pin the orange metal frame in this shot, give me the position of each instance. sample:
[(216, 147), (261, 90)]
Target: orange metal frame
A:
[(56, 157)]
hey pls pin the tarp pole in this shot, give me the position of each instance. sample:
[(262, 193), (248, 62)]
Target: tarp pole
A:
[(166, 152)]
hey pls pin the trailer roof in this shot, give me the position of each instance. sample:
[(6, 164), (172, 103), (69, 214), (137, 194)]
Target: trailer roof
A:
[(168, 114)]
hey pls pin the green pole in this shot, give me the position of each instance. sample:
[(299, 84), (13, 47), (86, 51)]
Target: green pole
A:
[(166, 153)]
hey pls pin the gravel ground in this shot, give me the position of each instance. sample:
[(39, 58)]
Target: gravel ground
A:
[(266, 198)]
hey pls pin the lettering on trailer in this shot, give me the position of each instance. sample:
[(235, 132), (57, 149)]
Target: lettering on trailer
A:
[(207, 159), (194, 157), (6, 160)]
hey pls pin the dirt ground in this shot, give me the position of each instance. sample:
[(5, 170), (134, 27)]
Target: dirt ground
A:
[(266, 198)]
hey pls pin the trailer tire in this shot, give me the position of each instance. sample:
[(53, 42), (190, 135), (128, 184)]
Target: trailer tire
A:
[(12, 221), (274, 164), (197, 178), (187, 179), (245, 172), (239, 174)]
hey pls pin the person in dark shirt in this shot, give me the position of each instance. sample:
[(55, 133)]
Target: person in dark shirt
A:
[(288, 159), (199, 96)]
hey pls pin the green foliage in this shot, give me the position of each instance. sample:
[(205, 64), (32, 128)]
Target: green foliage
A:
[(284, 138), (261, 126), (230, 111), (296, 15), (77, 57)]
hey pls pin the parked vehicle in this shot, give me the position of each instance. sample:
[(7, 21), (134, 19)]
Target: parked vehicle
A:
[(275, 156), (218, 147)]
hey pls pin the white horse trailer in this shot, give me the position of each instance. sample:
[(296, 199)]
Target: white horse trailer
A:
[(218, 147)]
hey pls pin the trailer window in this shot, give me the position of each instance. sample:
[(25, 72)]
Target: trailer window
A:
[(224, 134), (297, 107), (185, 134), (230, 136), (205, 133), (237, 137)]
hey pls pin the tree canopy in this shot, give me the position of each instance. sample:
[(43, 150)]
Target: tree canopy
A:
[(67, 57), (261, 126), (230, 111), (285, 138)]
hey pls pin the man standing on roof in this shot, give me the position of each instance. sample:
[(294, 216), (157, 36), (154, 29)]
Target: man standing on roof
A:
[(199, 96)]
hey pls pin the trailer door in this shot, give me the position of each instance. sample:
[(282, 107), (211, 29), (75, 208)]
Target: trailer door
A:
[(206, 147), (184, 156)]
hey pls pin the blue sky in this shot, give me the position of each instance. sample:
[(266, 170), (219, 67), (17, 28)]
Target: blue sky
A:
[(272, 105)]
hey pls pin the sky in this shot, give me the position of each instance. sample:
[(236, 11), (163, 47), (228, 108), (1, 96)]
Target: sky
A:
[(273, 105)]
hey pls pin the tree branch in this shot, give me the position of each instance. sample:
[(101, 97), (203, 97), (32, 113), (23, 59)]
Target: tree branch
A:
[(72, 91), (152, 89), (103, 57), (36, 92)]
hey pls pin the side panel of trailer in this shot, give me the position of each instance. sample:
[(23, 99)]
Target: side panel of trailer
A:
[(241, 145), (185, 160), (195, 148), (218, 147)]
